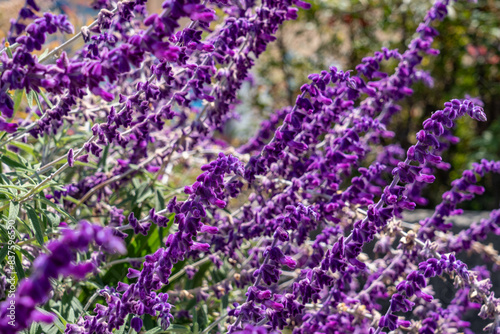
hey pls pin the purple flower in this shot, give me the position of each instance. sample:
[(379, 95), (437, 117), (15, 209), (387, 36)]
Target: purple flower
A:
[(390, 321), (136, 324), (308, 177), (6, 107), (8, 127), (35, 290)]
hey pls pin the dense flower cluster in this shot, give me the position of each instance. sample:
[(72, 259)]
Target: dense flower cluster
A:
[(272, 235), (35, 290)]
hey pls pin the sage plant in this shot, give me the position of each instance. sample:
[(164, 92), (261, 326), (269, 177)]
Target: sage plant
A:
[(128, 210)]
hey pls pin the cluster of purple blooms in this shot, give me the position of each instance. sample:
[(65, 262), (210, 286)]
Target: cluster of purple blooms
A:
[(290, 212), (59, 261)]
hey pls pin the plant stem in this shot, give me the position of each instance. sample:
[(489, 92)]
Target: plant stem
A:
[(124, 260), (213, 324)]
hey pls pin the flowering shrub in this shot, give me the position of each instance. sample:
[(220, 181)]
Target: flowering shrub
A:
[(126, 210)]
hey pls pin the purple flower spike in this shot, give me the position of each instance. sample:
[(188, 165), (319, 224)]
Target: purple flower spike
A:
[(35, 290), (5, 126)]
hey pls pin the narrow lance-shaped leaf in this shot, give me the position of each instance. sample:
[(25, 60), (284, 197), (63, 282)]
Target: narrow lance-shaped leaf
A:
[(19, 267), (13, 211), (37, 99), (46, 99), (39, 235), (29, 97), (3, 252), (18, 97)]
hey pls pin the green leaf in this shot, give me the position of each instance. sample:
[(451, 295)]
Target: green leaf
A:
[(9, 52), (71, 314), (14, 187), (22, 159), (46, 100), (57, 208), (76, 305), (26, 254), (45, 186), (71, 199), (195, 321), (178, 329), (86, 164), (198, 278), (13, 211), (203, 316), (224, 303), (144, 194), (29, 97), (57, 324), (155, 330), (104, 157), (53, 219), (25, 147), (18, 97), (34, 328), (49, 328), (39, 235), (147, 244), (37, 99), (44, 54), (12, 163), (61, 318), (159, 201), (8, 194), (19, 268), (3, 233), (134, 166)]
